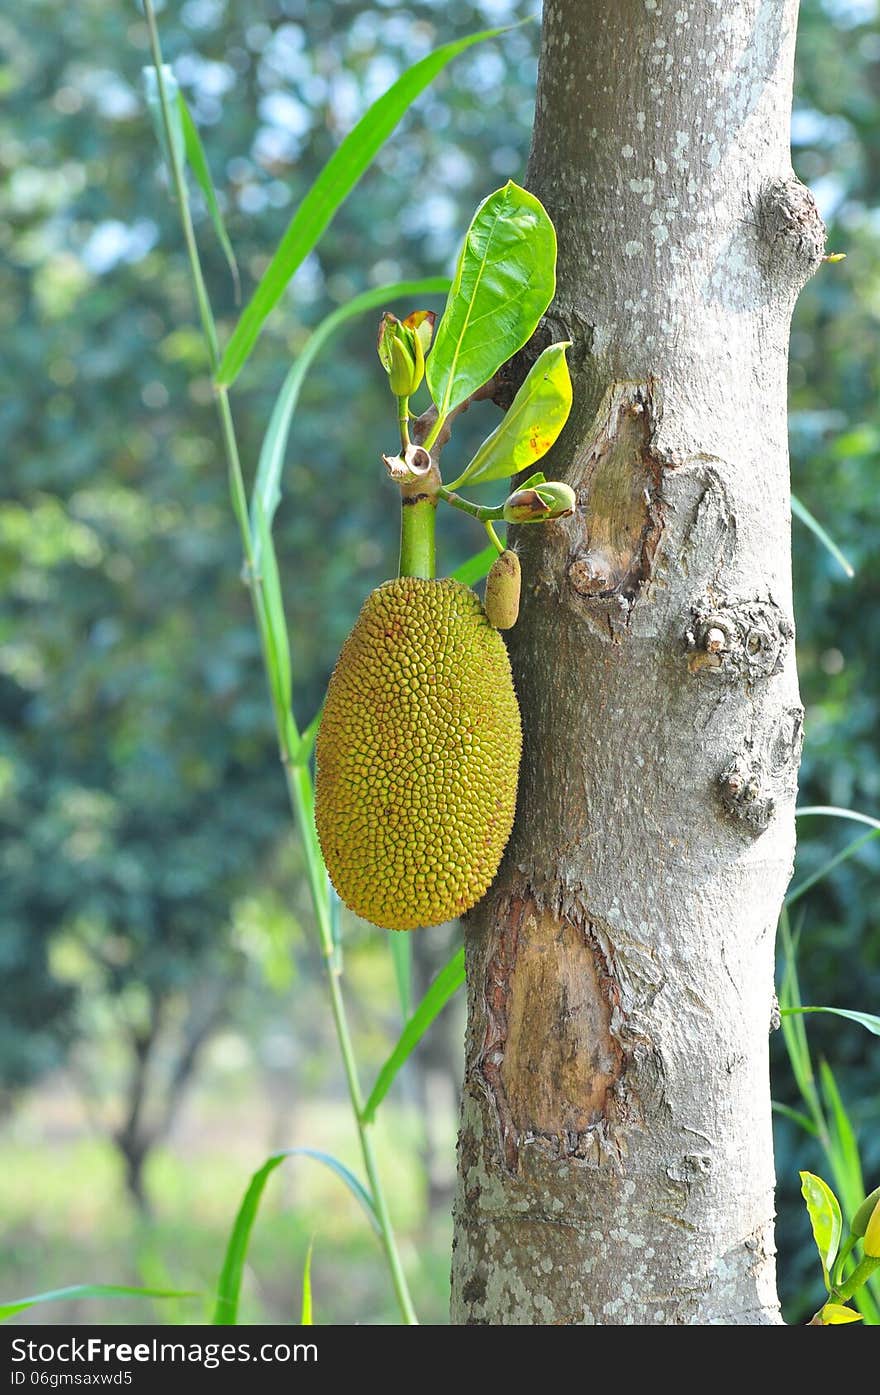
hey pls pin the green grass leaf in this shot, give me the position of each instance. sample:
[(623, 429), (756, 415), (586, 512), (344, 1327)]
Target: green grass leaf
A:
[(795, 1115), (476, 567), (400, 947), (267, 485), (803, 513), (8, 1310), (834, 811), (822, 872), (229, 1284), (329, 191), (529, 426), (864, 1019), (823, 1209), (503, 283), (198, 163), (277, 640), (848, 1173), (305, 1318), (445, 986)]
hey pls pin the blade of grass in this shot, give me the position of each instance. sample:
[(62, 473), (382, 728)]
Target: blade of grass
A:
[(8, 1310), (803, 513), (305, 1318), (845, 853), (864, 1019), (445, 986), (794, 1115), (333, 185), (198, 163), (267, 485), (850, 1182), (476, 567), (276, 625), (232, 1273), (833, 811), (400, 946)]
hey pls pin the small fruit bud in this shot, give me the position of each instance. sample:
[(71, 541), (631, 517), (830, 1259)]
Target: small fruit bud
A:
[(550, 500), (502, 591), (404, 377), (863, 1215)]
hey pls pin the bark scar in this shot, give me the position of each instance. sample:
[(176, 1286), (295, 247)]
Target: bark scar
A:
[(551, 1060), (618, 478)]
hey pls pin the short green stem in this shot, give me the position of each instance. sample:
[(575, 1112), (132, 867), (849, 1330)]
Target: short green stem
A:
[(493, 537), (418, 515), (860, 1275), (480, 511), (403, 421)]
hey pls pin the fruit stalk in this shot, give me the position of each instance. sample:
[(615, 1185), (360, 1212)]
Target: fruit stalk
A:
[(418, 517)]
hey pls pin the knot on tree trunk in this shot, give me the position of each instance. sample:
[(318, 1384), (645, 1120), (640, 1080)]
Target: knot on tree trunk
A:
[(792, 230)]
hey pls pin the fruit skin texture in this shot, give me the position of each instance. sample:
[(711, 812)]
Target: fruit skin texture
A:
[(417, 755)]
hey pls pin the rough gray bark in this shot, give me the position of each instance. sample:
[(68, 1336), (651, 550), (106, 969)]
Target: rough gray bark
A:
[(615, 1158)]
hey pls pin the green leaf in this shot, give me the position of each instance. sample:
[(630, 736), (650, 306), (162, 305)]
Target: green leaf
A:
[(833, 811), (445, 985), (306, 1311), (309, 737), (329, 191), (795, 1116), (154, 107), (504, 281), (823, 1209), (229, 1285), (400, 946), (864, 1019), (267, 485), (848, 1172), (834, 1313), (476, 567), (198, 163), (803, 513), (8, 1310), (278, 644), (849, 851), (529, 426)]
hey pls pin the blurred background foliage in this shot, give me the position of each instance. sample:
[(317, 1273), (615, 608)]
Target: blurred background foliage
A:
[(162, 1020)]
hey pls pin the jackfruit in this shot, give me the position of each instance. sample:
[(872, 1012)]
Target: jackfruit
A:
[(502, 591), (417, 756)]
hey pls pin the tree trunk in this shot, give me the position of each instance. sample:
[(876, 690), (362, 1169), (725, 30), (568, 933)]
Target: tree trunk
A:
[(615, 1156)]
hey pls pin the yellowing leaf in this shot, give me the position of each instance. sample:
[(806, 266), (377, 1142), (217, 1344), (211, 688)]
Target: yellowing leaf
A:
[(531, 424), (834, 1313), (823, 1209)]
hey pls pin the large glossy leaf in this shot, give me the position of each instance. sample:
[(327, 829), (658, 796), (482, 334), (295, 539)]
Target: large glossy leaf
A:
[(445, 985), (267, 485), (229, 1284), (530, 425), (823, 1209), (503, 283), (864, 1019), (801, 511), (329, 191), (19, 1305)]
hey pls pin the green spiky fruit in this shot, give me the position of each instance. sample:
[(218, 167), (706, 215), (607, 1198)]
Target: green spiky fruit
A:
[(502, 591), (417, 756)]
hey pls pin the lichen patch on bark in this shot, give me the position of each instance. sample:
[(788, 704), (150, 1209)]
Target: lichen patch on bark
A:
[(552, 1060)]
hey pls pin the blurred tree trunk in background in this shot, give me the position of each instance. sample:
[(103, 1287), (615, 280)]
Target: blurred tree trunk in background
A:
[(615, 1161)]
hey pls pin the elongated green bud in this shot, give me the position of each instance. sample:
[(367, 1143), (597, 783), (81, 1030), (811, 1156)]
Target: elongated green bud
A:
[(502, 591), (863, 1215), (872, 1234), (552, 499), (402, 345)]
